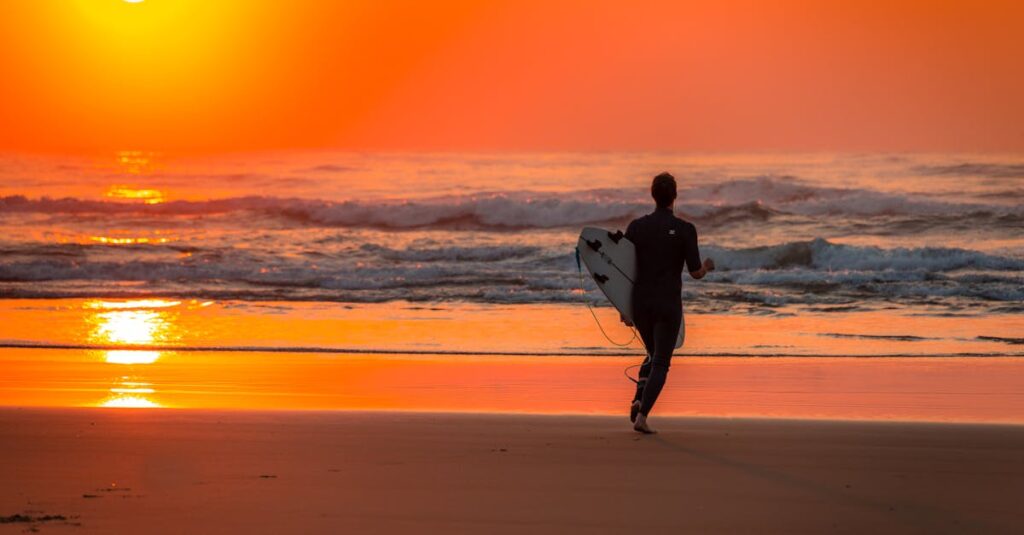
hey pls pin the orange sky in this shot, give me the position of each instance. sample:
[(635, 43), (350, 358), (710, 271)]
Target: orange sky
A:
[(199, 75)]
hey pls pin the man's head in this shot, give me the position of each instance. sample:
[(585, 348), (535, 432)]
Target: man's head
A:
[(663, 189)]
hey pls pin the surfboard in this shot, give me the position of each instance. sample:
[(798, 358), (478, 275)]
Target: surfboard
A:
[(610, 259)]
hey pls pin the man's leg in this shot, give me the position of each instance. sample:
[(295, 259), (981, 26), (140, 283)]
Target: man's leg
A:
[(645, 327), (641, 381), (665, 331)]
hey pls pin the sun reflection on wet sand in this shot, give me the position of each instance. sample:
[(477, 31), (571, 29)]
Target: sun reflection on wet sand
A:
[(129, 402), (818, 380), (133, 390), (128, 392), (136, 322)]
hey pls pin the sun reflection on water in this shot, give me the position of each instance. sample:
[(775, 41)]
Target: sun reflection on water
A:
[(112, 240), (134, 303), (133, 166), (117, 356), (129, 393), (136, 162), (146, 195), (138, 322), (130, 326)]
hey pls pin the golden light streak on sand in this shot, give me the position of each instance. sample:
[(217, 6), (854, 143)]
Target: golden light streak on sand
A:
[(129, 402), (129, 393), (132, 390)]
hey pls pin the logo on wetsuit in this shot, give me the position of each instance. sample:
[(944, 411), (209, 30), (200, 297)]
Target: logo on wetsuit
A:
[(672, 232)]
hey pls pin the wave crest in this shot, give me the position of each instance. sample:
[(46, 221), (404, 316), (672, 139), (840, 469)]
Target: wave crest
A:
[(822, 255), (733, 201)]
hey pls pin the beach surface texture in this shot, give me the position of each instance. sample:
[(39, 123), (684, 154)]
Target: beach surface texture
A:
[(177, 471)]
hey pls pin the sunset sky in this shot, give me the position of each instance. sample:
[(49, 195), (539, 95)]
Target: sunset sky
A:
[(226, 75)]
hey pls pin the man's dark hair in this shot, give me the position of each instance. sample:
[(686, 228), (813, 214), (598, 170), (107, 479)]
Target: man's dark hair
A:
[(663, 189)]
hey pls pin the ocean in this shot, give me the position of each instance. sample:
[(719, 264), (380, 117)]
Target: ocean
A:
[(812, 236)]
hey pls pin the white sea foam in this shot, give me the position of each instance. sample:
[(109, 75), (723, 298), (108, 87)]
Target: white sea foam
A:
[(807, 272)]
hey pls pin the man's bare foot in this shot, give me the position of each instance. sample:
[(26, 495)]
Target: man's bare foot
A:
[(640, 425), (634, 409)]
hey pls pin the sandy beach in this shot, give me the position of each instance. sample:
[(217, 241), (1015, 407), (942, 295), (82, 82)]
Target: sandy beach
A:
[(175, 471)]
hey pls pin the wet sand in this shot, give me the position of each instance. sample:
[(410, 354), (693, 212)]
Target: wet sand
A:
[(95, 470), (950, 389)]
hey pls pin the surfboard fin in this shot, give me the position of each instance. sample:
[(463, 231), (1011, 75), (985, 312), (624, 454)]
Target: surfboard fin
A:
[(601, 279), (616, 236), (594, 244)]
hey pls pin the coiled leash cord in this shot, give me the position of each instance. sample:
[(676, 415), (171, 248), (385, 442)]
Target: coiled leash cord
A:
[(579, 269)]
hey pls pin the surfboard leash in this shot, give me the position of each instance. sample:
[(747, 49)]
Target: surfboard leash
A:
[(633, 330), (579, 270), (647, 357)]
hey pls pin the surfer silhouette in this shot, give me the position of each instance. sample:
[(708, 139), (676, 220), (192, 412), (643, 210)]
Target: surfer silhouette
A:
[(664, 245)]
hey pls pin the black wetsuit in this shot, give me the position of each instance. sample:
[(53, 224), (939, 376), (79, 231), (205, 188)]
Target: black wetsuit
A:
[(664, 244)]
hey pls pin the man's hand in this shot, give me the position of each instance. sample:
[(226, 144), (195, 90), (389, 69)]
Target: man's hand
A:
[(706, 267), (625, 320)]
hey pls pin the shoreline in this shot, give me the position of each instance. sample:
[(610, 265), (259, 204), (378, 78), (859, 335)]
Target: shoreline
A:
[(402, 327), (393, 472), (428, 352)]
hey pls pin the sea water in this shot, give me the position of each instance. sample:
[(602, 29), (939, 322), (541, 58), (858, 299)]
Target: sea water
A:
[(820, 237)]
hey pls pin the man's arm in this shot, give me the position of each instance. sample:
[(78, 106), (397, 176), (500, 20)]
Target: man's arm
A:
[(693, 258), (631, 231), (631, 236)]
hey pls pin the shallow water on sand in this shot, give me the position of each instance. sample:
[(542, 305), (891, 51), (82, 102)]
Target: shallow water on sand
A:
[(521, 358), (484, 329)]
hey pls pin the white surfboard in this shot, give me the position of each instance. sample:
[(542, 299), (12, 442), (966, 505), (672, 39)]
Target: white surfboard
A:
[(611, 261)]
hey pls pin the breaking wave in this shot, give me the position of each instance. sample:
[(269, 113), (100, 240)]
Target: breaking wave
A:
[(972, 169), (733, 201), (822, 255)]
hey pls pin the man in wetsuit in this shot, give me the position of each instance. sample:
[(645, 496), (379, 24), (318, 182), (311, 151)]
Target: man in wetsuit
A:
[(664, 243)]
